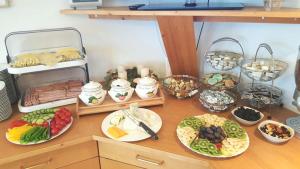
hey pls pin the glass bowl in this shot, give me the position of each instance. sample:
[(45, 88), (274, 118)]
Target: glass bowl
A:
[(181, 86), (217, 101)]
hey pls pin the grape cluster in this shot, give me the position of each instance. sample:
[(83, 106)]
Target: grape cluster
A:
[(213, 134)]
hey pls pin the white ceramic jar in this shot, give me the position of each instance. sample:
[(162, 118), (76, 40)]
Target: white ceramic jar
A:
[(120, 91), (92, 93), (146, 87)]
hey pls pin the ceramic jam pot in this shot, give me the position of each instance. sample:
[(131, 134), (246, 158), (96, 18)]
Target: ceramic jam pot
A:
[(146, 87), (92, 93), (120, 91)]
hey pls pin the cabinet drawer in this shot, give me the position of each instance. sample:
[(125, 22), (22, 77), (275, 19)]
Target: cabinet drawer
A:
[(57, 158), (146, 157), (92, 163), (111, 164)]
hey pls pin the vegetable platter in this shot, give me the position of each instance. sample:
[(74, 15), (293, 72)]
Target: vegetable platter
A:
[(39, 126)]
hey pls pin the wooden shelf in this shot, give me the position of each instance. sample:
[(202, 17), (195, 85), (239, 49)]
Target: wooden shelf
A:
[(177, 27), (248, 13)]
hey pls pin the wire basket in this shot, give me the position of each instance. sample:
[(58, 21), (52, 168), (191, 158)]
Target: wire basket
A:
[(272, 4), (220, 81), (260, 95), (224, 60)]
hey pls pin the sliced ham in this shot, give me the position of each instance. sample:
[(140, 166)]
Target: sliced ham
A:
[(53, 92)]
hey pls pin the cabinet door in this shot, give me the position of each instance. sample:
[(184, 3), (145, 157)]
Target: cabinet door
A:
[(146, 157), (111, 164), (57, 158), (92, 163)]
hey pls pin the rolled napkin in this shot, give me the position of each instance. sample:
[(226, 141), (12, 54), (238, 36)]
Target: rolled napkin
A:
[(5, 107)]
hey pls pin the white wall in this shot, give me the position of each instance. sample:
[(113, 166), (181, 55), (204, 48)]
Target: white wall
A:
[(113, 42)]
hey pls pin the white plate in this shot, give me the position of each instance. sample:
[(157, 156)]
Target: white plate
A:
[(38, 68), (42, 141), (247, 141), (154, 122), (48, 105)]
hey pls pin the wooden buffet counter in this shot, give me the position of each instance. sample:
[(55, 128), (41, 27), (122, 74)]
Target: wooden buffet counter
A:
[(82, 149)]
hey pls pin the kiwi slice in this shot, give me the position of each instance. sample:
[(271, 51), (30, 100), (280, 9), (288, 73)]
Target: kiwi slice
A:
[(204, 150)]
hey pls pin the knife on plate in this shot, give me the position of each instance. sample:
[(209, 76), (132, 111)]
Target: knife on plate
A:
[(141, 124)]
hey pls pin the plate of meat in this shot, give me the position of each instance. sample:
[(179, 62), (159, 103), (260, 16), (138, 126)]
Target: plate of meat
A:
[(51, 95)]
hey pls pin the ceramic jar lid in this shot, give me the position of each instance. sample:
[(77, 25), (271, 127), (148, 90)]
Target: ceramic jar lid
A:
[(91, 86), (146, 81), (120, 83)]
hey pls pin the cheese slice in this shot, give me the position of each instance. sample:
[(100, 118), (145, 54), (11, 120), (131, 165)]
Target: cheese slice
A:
[(116, 132)]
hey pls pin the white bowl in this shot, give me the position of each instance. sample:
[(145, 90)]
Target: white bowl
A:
[(246, 122), (275, 139)]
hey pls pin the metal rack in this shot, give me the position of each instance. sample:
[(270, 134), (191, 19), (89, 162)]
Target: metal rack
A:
[(45, 40)]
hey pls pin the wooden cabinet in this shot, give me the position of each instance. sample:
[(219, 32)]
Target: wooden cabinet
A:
[(92, 163), (123, 154), (57, 158), (111, 164)]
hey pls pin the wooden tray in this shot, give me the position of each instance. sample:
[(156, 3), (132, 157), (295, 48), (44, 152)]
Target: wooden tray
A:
[(110, 105)]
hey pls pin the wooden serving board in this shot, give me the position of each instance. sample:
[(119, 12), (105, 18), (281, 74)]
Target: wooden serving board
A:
[(109, 105)]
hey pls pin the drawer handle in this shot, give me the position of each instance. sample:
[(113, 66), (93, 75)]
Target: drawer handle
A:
[(38, 165), (148, 160)]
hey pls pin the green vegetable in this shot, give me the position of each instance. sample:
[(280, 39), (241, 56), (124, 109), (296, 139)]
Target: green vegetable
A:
[(25, 138), (35, 137), (39, 116)]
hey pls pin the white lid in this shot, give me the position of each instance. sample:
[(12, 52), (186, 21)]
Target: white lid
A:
[(146, 81), (120, 83), (2, 85), (92, 85)]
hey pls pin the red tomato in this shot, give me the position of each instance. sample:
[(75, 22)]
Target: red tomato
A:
[(68, 120)]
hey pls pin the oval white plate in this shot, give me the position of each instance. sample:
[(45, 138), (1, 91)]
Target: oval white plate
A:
[(220, 156), (42, 141), (138, 134)]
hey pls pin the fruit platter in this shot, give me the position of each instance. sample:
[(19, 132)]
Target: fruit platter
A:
[(213, 136), (39, 126)]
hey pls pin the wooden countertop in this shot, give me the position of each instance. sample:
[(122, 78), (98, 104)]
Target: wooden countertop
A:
[(260, 155)]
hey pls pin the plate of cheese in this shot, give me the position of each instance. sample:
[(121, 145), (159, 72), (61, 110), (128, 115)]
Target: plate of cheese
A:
[(119, 127)]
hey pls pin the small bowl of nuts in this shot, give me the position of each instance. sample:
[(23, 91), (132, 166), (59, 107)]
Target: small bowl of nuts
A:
[(181, 86), (276, 132)]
